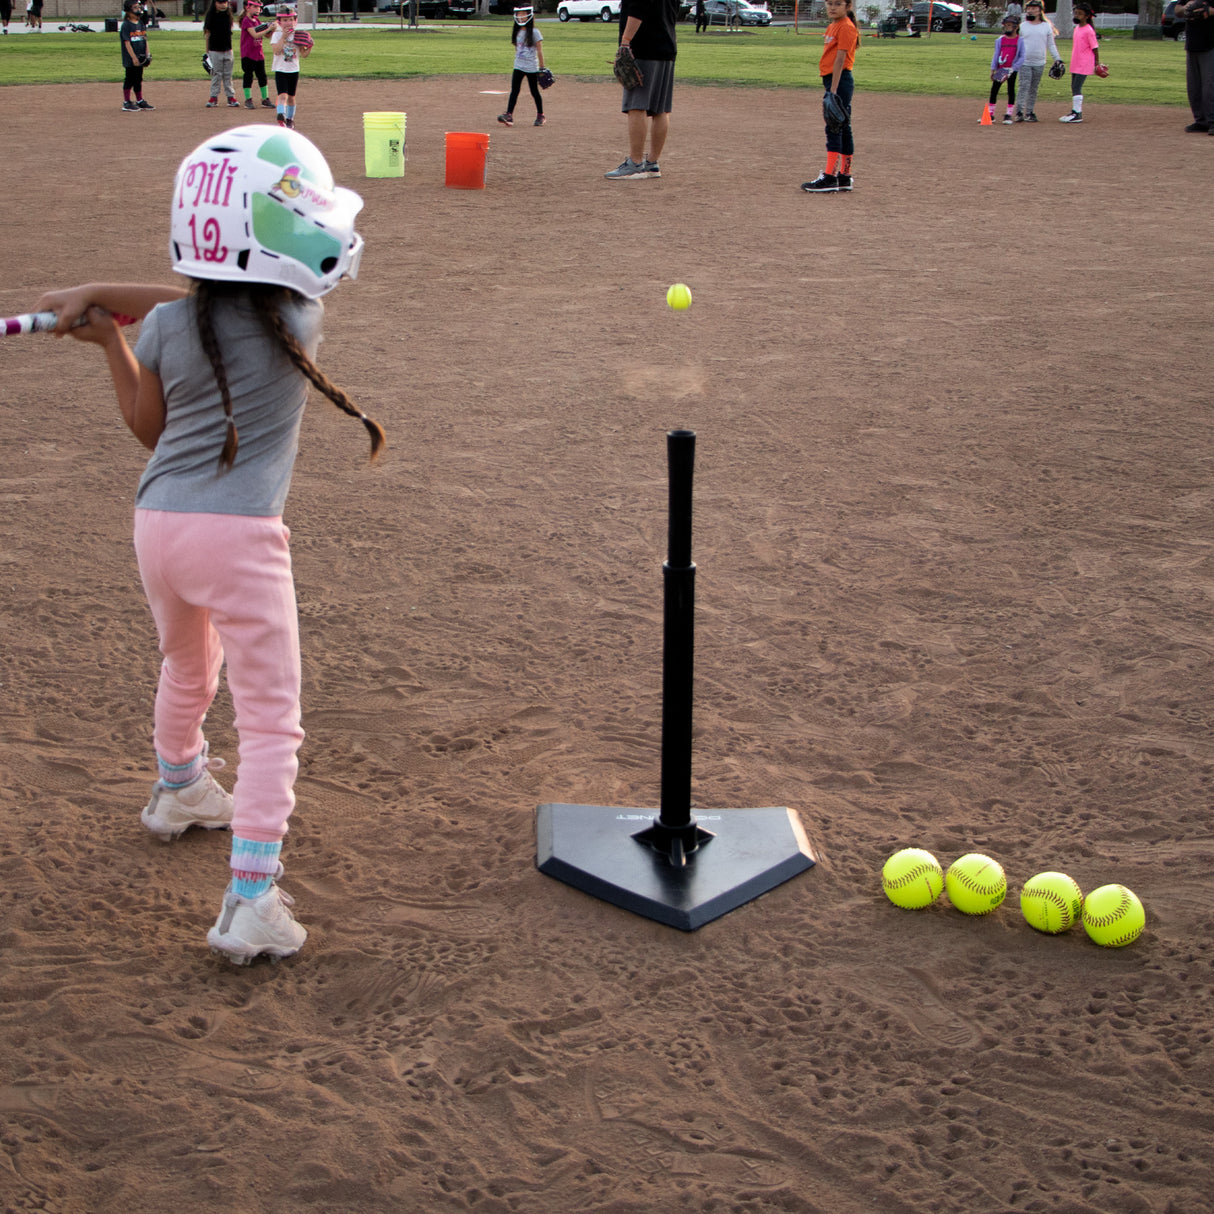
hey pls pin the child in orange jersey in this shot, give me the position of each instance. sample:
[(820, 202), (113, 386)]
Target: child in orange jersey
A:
[(842, 39)]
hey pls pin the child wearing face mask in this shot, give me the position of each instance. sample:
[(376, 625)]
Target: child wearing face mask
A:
[(1036, 39)]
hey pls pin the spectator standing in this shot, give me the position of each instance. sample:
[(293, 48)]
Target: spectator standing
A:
[(701, 17), (133, 36), (1036, 38), (648, 27), (253, 56), (217, 34), (528, 62), (1085, 56), (1199, 63), (1005, 63), (842, 39), (288, 55)]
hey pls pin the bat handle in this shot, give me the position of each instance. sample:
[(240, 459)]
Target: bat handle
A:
[(45, 322)]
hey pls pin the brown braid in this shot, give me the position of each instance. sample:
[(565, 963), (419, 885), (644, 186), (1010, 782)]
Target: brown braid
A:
[(271, 317), (267, 301), (204, 302)]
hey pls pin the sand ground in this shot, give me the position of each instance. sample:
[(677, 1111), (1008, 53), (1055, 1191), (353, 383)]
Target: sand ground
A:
[(953, 505)]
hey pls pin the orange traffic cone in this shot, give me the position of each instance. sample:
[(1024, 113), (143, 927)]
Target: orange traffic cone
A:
[(986, 116)]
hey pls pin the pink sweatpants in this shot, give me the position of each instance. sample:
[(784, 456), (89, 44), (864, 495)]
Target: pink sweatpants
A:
[(220, 585)]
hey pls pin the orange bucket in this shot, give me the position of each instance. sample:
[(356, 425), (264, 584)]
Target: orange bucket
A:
[(466, 154)]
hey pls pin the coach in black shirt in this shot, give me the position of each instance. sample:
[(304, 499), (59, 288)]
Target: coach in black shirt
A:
[(647, 26)]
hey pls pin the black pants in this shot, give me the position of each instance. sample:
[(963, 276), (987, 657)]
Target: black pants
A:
[(133, 80), (516, 84), (702, 23), (1011, 90), (251, 68)]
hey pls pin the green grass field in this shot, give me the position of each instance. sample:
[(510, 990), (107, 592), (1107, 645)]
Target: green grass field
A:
[(1146, 73)]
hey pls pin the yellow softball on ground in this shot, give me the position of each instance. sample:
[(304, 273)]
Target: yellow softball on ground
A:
[(976, 884), (1051, 902), (679, 297), (912, 878), (1113, 916)]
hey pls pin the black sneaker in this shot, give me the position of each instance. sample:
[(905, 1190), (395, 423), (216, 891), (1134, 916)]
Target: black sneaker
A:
[(1196, 127), (844, 183), (506, 119), (267, 104), (144, 105), (129, 107), (1073, 116), (824, 183), (248, 103)]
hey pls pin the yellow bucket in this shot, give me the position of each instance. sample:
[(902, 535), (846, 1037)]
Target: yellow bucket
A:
[(384, 144)]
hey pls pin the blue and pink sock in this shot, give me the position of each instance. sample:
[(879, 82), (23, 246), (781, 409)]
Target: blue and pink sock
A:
[(254, 866)]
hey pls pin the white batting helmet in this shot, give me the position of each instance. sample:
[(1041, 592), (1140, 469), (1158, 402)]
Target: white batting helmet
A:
[(258, 204)]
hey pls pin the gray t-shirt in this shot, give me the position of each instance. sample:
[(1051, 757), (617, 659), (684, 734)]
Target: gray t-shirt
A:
[(268, 397)]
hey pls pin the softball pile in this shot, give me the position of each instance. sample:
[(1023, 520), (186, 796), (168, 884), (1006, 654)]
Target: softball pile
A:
[(1050, 902)]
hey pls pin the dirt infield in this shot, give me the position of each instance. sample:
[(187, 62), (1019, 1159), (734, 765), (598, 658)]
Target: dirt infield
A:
[(953, 508)]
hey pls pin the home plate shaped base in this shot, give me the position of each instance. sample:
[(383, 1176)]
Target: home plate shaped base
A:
[(594, 848)]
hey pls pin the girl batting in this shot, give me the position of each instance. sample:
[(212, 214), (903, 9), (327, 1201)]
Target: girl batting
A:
[(842, 39), (216, 388)]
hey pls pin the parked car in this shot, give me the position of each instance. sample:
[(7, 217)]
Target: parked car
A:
[(589, 10), (1171, 26), (720, 11), (434, 10), (944, 16)]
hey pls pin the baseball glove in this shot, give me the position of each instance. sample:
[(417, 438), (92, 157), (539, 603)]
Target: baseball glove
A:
[(834, 112), (625, 69), (1057, 70), (1196, 10), (1000, 74), (144, 60), (1101, 70), (547, 79), (303, 40)]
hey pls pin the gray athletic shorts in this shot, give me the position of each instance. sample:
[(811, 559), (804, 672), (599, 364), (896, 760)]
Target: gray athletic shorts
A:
[(656, 95)]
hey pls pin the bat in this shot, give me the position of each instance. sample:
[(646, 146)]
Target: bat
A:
[(44, 322)]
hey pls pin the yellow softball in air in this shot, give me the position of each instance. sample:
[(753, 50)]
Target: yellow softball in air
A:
[(1051, 902), (912, 878), (678, 297)]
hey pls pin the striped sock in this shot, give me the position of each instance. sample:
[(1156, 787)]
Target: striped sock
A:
[(178, 775), (254, 866), (845, 166)]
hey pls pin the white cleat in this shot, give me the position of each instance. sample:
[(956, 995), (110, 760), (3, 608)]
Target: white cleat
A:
[(255, 927), (205, 803)]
